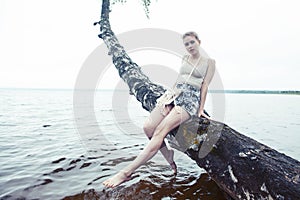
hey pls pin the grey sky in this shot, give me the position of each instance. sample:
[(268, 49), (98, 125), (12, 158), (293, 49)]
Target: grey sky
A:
[(255, 43)]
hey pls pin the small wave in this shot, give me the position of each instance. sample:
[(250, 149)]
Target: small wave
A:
[(45, 182), (58, 161), (8, 125)]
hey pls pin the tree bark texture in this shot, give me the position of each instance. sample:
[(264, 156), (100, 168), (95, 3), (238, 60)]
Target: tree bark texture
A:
[(241, 166)]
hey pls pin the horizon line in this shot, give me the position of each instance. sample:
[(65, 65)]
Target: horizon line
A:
[(257, 91)]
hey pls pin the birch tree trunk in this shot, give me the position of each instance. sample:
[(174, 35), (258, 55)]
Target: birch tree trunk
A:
[(241, 166)]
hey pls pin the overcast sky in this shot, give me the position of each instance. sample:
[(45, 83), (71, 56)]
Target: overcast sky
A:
[(256, 44)]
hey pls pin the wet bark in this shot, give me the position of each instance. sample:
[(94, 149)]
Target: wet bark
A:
[(241, 166)]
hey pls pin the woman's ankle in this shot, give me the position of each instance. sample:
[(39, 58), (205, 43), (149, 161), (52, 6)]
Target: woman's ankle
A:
[(126, 173)]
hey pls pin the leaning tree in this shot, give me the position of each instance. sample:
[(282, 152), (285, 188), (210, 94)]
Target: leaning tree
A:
[(241, 166)]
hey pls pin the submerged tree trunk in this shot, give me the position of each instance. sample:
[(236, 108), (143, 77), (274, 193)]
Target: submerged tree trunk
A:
[(241, 166)]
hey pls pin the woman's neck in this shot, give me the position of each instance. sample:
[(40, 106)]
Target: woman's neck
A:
[(196, 56)]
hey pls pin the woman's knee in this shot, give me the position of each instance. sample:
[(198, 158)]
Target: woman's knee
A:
[(148, 127)]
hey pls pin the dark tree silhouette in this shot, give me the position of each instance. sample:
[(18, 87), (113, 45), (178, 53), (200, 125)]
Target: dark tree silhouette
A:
[(241, 166)]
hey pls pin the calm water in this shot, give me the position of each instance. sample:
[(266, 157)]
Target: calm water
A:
[(47, 154)]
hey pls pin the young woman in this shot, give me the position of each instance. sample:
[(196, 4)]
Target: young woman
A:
[(195, 75)]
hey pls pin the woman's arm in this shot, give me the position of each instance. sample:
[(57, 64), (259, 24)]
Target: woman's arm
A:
[(204, 87)]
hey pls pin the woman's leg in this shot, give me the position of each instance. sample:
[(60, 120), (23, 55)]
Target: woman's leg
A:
[(154, 119), (172, 120)]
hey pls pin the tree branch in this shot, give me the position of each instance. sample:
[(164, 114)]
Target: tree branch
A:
[(241, 166)]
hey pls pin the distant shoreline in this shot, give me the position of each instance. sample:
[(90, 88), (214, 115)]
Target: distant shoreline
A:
[(292, 92)]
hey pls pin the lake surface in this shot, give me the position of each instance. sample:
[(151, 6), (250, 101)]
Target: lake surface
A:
[(48, 151)]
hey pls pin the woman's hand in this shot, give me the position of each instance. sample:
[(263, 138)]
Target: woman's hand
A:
[(201, 113)]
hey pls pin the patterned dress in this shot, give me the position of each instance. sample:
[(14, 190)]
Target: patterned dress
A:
[(189, 83)]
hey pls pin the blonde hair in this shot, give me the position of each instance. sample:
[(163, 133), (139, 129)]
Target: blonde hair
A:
[(193, 34)]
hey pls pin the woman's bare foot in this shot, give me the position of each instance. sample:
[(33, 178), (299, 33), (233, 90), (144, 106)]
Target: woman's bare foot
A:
[(174, 167), (117, 179)]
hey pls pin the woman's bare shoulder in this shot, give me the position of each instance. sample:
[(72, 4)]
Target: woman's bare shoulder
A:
[(211, 61)]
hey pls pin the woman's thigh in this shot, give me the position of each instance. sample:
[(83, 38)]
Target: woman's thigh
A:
[(156, 116), (176, 116)]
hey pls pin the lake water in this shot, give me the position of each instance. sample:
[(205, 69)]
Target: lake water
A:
[(47, 154)]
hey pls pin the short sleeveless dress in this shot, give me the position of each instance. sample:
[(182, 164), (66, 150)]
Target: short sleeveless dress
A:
[(189, 99)]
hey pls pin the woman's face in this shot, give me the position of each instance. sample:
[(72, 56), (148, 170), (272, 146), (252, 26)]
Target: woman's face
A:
[(191, 44)]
